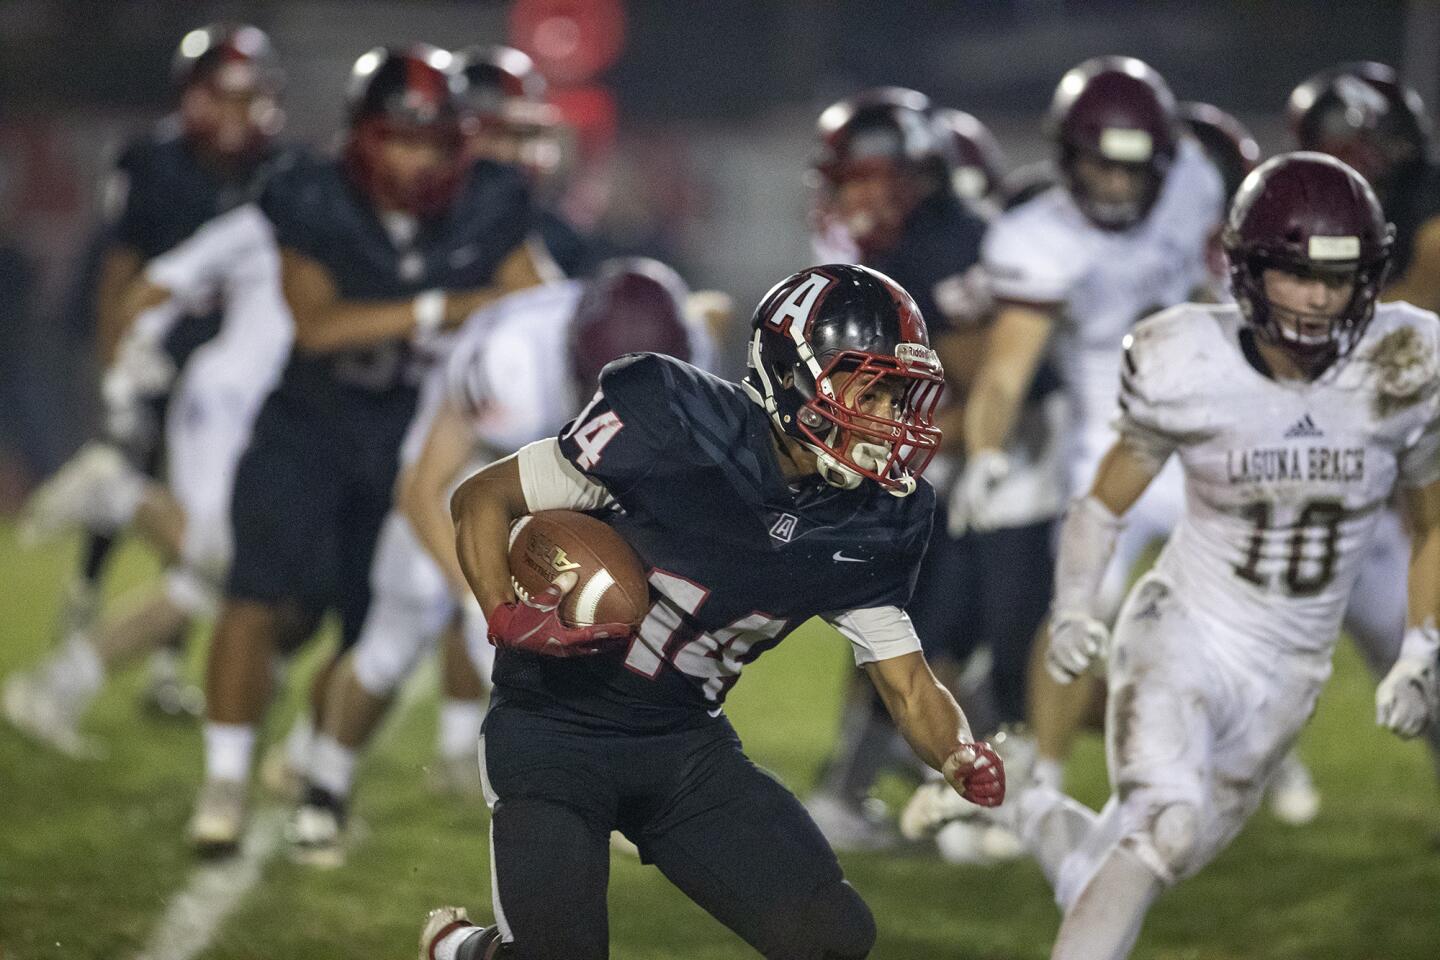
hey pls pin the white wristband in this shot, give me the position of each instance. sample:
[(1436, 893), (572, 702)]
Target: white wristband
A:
[(1421, 643), (429, 310)]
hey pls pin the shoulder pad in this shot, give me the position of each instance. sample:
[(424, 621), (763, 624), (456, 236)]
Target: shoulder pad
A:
[(1030, 253)]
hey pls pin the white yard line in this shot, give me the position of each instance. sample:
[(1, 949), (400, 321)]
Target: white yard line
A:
[(214, 891)]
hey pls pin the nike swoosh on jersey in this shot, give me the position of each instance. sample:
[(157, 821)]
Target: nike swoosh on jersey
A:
[(839, 557)]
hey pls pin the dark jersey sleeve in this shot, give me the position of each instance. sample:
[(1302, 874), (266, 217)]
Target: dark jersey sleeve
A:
[(135, 223), (627, 432)]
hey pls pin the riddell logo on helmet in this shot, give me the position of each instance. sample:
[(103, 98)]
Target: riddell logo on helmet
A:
[(917, 355)]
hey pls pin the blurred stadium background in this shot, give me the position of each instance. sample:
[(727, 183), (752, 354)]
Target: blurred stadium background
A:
[(693, 123)]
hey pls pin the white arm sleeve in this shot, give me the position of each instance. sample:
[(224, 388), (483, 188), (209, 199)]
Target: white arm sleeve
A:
[(193, 270), (550, 482), (1087, 541), (876, 633)]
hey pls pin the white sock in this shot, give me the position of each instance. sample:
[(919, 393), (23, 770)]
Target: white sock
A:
[(1052, 826), (228, 751), (460, 722), (1049, 772), (450, 944), (1105, 920), (121, 499), (299, 742), (332, 765), (75, 672)]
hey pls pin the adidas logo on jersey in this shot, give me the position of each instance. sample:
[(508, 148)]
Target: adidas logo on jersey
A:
[(1304, 427)]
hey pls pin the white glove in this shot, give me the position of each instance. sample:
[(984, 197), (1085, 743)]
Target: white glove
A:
[(1076, 641), (1406, 699), (143, 362), (972, 502)]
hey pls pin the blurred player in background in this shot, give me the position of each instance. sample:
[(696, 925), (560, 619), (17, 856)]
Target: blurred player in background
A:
[(796, 494), (381, 249), (230, 261), (213, 154), (1123, 234), (1365, 115), (1234, 152), (890, 168), (511, 121), (1295, 412), (518, 370)]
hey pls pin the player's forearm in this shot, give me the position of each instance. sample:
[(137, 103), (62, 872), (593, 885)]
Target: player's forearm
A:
[(118, 270), (992, 408), (932, 723), (923, 710), (423, 505), (483, 509)]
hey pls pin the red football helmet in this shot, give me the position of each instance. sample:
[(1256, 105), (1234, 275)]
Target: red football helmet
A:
[(229, 80), (881, 154), (1115, 111), (631, 305), (1365, 115), (814, 333), (508, 118), (1225, 141), (1308, 214), (978, 174), (411, 99)]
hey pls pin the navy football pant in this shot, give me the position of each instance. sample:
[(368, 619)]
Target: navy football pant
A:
[(720, 828), (311, 493), (986, 590)]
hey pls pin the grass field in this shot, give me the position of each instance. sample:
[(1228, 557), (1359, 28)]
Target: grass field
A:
[(90, 853)]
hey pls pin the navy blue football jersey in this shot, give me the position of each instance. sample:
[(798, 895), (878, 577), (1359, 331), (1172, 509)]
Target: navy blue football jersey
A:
[(168, 194), (319, 213), (941, 240), (737, 557)]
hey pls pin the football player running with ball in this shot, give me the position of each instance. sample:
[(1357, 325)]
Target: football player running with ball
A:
[(795, 492), (1294, 413)]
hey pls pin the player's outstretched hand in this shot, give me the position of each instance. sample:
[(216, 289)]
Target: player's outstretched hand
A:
[(534, 624), (977, 773), (1075, 642), (1406, 699)]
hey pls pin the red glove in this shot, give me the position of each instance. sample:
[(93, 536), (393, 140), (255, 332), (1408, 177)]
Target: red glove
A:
[(535, 625), (977, 774)]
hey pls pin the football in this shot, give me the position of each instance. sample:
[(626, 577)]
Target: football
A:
[(610, 582)]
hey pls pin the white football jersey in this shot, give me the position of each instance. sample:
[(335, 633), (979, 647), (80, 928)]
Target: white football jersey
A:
[(508, 369), (232, 261), (1046, 251), (1284, 480)]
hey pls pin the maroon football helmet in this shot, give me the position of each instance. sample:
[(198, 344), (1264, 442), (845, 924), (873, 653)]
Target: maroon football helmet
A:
[(1365, 115), (1225, 141), (632, 305), (813, 333), (1119, 111), (229, 80), (1309, 214), (408, 94), (978, 173)]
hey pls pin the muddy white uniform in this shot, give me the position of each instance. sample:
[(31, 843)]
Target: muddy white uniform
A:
[(1221, 650), (1046, 252), (233, 261), (509, 370)]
